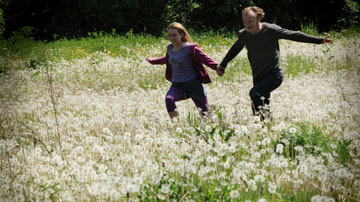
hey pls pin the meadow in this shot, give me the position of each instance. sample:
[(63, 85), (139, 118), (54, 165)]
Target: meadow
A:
[(85, 120)]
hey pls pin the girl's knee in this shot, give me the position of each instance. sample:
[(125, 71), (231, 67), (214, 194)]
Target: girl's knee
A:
[(169, 98), (170, 103)]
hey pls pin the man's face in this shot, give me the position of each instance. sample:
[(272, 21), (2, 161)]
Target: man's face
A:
[(251, 22)]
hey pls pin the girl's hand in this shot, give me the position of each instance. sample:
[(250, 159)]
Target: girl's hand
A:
[(150, 60)]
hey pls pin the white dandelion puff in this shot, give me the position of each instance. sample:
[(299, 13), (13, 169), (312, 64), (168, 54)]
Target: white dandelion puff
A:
[(279, 148), (292, 130), (165, 188), (272, 187), (179, 130), (234, 194), (252, 185)]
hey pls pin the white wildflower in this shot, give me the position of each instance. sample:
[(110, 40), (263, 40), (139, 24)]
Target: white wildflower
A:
[(234, 194), (257, 155), (259, 178), (161, 197), (272, 187), (165, 188), (285, 141), (262, 200), (179, 130), (133, 188), (292, 130), (208, 128), (279, 148), (252, 185)]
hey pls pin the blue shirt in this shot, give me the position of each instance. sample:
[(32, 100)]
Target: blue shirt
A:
[(183, 67)]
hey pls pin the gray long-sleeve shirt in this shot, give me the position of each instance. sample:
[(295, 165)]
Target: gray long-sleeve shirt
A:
[(263, 48)]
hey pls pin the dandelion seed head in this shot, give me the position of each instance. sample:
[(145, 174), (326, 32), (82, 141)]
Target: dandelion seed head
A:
[(165, 188), (272, 187), (259, 178), (279, 148), (234, 194), (161, 197), (227, 165), (179, 130), (292, 130), (252, 185)]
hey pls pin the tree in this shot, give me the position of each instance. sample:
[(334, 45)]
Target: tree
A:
[(76, 18)]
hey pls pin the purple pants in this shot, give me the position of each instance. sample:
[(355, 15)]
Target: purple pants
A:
[(176, 94)]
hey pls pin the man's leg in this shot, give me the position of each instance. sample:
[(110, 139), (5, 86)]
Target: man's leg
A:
[(260, 93)]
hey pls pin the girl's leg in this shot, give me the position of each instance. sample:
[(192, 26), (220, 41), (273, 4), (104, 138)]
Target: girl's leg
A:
[(173, 95), (202, 103), (263, 88)]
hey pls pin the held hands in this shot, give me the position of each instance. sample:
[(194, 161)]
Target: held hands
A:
[(220, 70), (327, 40)]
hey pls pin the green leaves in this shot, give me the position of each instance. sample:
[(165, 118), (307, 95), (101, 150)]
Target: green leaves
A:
[(343, 151), (311, 140), (224, 133), (308, 139)]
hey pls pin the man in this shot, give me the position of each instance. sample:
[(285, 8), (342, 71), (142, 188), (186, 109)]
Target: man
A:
[(261, 40)]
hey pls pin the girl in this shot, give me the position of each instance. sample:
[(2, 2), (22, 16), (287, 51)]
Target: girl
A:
[(184, 69)]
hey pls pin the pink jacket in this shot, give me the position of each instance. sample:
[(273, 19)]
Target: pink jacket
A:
[(199, 58)]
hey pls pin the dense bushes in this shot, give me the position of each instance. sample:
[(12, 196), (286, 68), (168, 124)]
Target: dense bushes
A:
[(76, 18)]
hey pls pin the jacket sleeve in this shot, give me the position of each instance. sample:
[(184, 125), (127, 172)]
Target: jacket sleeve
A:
[(157, 61), (205, 59)]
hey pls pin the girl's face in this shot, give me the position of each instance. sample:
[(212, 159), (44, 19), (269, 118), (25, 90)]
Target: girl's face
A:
[(175, 37), (251, 22)]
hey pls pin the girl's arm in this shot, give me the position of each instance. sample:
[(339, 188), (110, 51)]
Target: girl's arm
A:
[(204, 59), (157, 61)]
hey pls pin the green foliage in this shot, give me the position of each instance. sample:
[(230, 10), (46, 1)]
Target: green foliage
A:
[(3, 5), (210, 127), (2, 22), (54, 19), (310, 29), (294, 65), (223, 132), (179, 11), (343, 151), (349, 32), (309, 138), (35, 63), (349, 14), (199, 189), (24, 46)]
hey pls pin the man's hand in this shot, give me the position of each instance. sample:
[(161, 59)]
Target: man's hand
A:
[(327, 40), (220, 70)]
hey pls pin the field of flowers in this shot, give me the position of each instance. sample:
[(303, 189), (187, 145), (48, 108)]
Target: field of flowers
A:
[(95, 128)]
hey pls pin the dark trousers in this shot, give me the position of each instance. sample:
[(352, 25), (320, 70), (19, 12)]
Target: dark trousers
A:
[(263, 88)]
